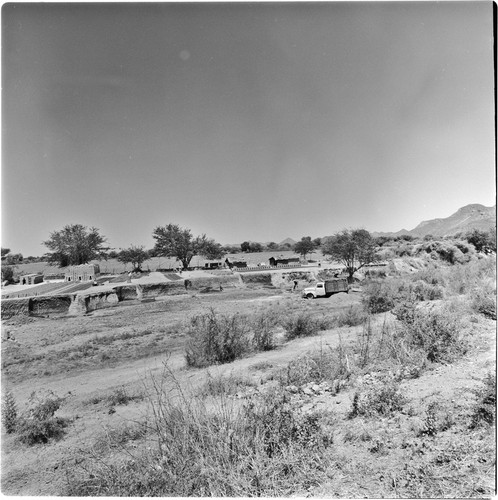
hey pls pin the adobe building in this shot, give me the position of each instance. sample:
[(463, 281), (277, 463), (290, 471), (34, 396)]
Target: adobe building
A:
[(30, 279), (83, 272)]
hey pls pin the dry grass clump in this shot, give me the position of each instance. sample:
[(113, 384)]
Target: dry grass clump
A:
[(321, 365), (266, 447), (119, 396), (220, 385), (377, 396)]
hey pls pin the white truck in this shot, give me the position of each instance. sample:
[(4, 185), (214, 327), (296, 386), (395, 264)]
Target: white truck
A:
[(326, 288)]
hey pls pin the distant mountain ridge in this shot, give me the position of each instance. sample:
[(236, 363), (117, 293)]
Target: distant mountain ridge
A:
[(290, 241), (465, 219)]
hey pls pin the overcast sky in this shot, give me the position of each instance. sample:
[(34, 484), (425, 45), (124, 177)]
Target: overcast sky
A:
[(243, 121)]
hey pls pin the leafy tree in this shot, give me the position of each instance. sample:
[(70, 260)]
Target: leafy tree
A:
[(8, 274), (13, 258), (304, 247), (245, 246), (5, 251), (136, 255), (272, 246), (255, 247), (354, 248), (231, 248), (483, 241), (175, 241), (317, 242), (75, 244)]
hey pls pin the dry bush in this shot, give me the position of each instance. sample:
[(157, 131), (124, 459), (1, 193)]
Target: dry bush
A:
[(322, 365), (380, 396), (353, 316), (38, 424), (264, 325), (214, 338), (264, 448), (485, 407), (436, 332), (300, 325)]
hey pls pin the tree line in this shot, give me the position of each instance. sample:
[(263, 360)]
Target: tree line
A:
[(76, 244)]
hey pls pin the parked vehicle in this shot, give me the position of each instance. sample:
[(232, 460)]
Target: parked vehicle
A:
[(326, 288)]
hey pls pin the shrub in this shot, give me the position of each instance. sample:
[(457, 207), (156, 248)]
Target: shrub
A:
[(120, 396), (263, 327), (379, 297), (215, 338), (353, 316), (484, 301), (9, 412), (437, 333), (300, 325), (39, 424), (485, 408), (380, 397), (446, 251)]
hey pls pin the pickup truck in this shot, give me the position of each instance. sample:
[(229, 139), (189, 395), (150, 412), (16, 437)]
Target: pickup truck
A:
[(326, 288)]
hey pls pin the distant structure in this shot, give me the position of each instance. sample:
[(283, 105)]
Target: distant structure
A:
[(213, 264), (30, 279), (83, 272), (276, 262)]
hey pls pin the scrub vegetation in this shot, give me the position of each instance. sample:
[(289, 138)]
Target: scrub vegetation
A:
[(388, 391)]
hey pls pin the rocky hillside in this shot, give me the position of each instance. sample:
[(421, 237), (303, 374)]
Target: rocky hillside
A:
[(465, 219)]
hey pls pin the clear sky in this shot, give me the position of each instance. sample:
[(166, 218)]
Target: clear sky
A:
[(243, 121)]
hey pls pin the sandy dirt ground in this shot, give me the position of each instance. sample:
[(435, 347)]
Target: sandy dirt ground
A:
[(150, 333)]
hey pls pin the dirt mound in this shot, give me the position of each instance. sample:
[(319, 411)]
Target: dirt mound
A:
[(257, 279)]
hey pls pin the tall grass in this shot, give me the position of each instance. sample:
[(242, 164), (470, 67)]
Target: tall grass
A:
[(266, 447)]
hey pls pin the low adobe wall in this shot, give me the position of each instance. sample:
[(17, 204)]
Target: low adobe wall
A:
[(50, 304), (153, 290), (206, 283), (43, 305), (15, 307), (257, 279), (93, 299)]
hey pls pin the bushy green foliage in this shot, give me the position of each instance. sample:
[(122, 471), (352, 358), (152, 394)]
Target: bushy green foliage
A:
[(216, 338), (175, 241), (300, 325), (483, 241), (447, 251), (7, 273), (484, 301), (353, 316), (9, 412), (263, 325), (39, 423), (436, 332), (75, 244), (386, 295), (378, 296)]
